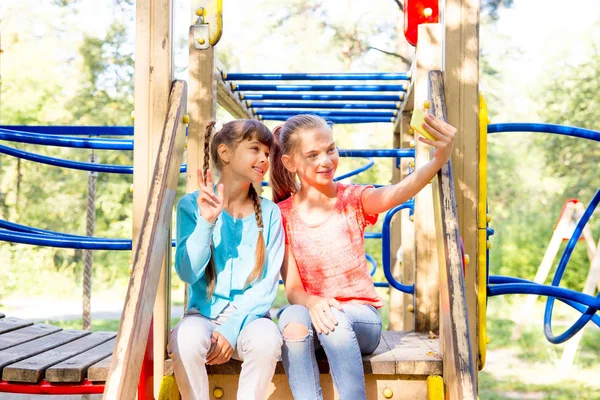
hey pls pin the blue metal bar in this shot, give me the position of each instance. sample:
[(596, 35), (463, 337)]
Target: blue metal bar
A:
[(53, 234), (356, 171), (560, 269), (543, 290), (318, 88), (380, 76), (265, 113), (322, 97), (391, 153), (373, 263), (79, 165), (58, 162), (62, 241), (495, 279), (73, 130), (337, 120), (4, 224), (385, 250), (381, 284), (346, 106), (66, 141), (373, 235), (545, 128)]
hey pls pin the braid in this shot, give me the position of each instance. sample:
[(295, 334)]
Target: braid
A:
[(260, 241), (211, 271), (207, 133)]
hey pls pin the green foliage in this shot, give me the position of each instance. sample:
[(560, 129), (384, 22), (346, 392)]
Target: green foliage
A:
[(575, 102), (49, 197)]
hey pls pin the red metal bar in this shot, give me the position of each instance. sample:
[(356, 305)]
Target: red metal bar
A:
[(45, 387), (146, 384)]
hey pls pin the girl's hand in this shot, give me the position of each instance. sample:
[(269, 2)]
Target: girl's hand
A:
[(209, 203), (443, 133), (321, 316), (220, 350)]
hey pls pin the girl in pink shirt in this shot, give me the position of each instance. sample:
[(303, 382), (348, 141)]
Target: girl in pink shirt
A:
[(332, 296)]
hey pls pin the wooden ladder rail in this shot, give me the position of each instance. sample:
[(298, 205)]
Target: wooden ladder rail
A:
[(458, 360), (124, 372)]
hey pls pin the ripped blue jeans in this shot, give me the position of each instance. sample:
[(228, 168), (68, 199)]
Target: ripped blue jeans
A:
[(358, 332)]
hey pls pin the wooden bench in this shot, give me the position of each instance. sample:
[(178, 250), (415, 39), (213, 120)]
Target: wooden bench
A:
[(30, 353)]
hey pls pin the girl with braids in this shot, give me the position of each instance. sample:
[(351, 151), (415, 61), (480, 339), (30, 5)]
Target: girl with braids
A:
[(332, 296), (230, 246)]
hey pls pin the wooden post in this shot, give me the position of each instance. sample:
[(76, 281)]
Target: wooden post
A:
[(202, 107), (401, 227), (149, 253), (426, 297), (401, 304), (459, 363), (460, 19), (153, 77)]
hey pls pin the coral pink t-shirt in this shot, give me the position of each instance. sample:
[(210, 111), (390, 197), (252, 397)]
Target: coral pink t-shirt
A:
[(331, 255)]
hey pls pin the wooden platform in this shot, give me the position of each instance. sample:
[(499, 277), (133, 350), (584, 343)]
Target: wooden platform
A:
[(31, 352)]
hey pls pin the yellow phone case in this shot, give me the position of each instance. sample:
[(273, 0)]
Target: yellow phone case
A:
[(416, 122)]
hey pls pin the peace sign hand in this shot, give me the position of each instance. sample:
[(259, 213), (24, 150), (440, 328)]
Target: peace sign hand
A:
[(209, 203)]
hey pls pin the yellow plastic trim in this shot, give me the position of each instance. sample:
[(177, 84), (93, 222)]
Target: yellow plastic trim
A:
[(482, 232), (168, 389), (213, 15), (435, 387)]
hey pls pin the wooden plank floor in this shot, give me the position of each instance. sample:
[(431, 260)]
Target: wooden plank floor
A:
[(30, 353)]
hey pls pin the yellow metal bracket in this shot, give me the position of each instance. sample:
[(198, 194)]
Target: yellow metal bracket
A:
[(208, 28)]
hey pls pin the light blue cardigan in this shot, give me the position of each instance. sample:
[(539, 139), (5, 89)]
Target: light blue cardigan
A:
[(234, 242)]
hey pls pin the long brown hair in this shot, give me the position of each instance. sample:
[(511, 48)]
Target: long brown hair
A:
[(231, 135), (283, 181)]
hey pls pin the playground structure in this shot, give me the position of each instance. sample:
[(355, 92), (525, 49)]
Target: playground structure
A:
[(440, 342)]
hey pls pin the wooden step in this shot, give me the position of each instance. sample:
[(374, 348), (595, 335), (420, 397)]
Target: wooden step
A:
[(75, 369), (31, 370)]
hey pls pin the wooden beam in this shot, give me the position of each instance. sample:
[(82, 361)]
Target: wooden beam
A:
[(227, 98), (153, 78), (459, 363), (149, 252), (460, 19), (202, 107), (426, 297)]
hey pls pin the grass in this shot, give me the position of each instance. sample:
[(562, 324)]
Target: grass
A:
[(531, 371), (491, 388), (108, 325)]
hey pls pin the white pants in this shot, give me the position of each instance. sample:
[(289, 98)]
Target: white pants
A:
[(258, 347)]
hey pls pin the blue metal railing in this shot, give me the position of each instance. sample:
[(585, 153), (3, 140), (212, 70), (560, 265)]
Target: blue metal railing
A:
[(312, 104), (317, 88), (322, 97), (380, 76)]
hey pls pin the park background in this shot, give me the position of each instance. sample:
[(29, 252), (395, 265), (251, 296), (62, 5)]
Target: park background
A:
[(70, 62)]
